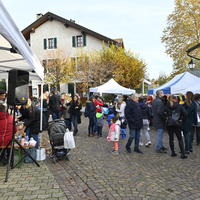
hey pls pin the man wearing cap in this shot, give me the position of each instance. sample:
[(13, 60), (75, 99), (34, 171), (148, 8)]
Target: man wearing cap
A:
[(2, 95)]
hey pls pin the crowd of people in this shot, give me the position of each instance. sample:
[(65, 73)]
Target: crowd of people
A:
[(179, 114)]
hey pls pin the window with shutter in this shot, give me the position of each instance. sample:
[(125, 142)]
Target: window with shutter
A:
[(45, 43), (73, 41), (84, 40), (55, 43)]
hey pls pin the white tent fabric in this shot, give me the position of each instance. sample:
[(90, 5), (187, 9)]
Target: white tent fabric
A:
[(112, 87), (13, 38), (193, 88), (178, 84), (11, 33)]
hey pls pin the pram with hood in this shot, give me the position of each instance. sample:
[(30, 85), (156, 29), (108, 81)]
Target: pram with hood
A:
[(56, 131)]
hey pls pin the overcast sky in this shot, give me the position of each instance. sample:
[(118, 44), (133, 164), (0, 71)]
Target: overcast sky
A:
[(139, 23)]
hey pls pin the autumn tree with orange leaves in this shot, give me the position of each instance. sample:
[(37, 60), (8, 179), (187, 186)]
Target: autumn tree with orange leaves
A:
[(58, 68), (182, 32)]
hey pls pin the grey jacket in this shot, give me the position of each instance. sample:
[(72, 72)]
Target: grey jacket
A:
[(66, 109), (156, 107)]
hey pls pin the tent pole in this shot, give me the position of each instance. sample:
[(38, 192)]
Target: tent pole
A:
[(41, 113)]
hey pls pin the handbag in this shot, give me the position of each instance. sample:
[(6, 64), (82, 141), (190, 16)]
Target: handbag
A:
[(69, 140), (33, 154), (198, 118)]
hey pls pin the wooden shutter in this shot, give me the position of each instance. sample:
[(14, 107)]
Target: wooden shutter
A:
[(45, 43), (84, 40), (73, 41), (55, 43)]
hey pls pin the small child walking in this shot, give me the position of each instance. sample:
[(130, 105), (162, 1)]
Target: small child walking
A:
[(99, 116), (114, 133), (123, 128)]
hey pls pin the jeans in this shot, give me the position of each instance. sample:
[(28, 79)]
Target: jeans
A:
[(74, 121), (99, 131), (95, 125), (145, 130), (160, 133), (177, 130), (91, 124), (69, 124), (134, 134), (35, 137), (188, 143), (123, 133), (55, 115)]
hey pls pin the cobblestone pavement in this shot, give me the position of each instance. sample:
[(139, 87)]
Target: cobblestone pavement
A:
[(94, 173)]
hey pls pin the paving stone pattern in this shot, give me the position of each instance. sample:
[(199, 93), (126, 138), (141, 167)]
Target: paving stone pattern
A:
[(94, 173)]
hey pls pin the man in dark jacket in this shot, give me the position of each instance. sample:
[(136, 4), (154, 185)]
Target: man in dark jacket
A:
[(158, 122), (54, 105), (134, 118)]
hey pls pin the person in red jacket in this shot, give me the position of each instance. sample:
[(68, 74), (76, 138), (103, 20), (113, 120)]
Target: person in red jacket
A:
[(98, 103), (6, 130)]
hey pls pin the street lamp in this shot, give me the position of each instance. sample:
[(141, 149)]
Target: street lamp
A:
[(191, 64)]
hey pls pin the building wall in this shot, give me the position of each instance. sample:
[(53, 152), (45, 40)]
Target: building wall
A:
[(64, 38)]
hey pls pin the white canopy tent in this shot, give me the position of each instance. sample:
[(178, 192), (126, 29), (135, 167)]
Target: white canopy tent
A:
[(112, 87), (178, 84), (13, 35), (194, 89), (23, 58)]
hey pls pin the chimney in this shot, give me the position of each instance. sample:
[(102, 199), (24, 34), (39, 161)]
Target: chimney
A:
[(71, 20), (39, 15)]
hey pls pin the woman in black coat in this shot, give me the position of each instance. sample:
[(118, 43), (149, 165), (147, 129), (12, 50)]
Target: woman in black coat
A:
[(75, 112), (90, 110), (31, 116), (174, 108)]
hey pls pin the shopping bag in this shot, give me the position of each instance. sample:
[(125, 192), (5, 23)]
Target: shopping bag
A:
[(69, 140)]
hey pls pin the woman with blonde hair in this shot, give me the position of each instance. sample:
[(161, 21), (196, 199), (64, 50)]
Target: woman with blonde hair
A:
[(190, 107), (66, 106), (174, 114)]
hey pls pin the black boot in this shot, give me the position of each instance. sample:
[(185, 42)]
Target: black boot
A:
[(183, 156), (3, 160), (173, 154)]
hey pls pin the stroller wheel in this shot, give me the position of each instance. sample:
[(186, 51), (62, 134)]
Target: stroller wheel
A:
[(51, 155), (54, 160)]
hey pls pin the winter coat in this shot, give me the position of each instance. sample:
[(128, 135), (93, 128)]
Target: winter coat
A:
[(108, 119), (123, 124), (133, 115), (66, 106), (121, 110), (76, 112), (46, 106), (54, 103), (32, 115), (6, 122), (116, 133), (198, 110), (99, 117), (187, 126), (91, 108), (145, 111), (166, 112), (157, 106), (96, 102)]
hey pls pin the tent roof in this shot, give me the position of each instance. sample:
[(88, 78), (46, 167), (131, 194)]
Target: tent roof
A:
[(12, 38), (112, 87), (178, 84)]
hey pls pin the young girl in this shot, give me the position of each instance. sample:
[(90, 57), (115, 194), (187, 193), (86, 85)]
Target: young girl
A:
[(114, 133)]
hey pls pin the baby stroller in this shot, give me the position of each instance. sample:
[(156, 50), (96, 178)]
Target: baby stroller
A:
[(56, 131)]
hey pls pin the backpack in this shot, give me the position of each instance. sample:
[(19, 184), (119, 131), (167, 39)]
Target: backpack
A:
[(173, 120), (86, 113)]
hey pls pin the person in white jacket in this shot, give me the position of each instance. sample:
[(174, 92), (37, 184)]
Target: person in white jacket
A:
[(114, 133)]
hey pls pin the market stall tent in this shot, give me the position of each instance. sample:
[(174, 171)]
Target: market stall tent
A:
[(12, 39), (112, 87), (194, 89), (177, 85)]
